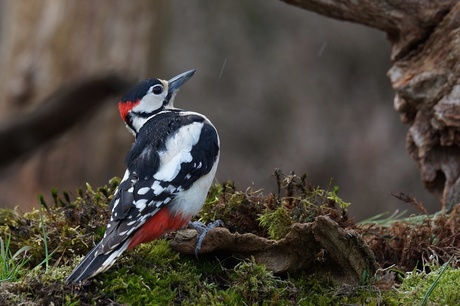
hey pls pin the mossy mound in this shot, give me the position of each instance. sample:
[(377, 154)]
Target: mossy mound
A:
[(53, 238), (70, 226)]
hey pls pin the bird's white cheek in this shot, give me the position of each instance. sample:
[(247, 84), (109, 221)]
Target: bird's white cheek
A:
[(149, 103)]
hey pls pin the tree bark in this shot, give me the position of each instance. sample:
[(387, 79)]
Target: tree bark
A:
[(46, 44), (425, 39)]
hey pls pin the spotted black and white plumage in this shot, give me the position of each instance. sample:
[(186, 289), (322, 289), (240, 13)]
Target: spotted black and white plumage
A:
[(170, 168)]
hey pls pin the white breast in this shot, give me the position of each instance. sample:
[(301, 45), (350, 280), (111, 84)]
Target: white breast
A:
[(190, 202)]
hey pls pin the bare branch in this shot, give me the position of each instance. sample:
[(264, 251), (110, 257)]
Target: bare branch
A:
[(407, 22), (59, 112)]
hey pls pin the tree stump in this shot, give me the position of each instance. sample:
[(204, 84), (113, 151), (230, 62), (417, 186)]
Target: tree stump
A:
[(425, 41)]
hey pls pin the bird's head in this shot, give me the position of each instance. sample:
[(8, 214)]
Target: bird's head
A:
[(149, 97)]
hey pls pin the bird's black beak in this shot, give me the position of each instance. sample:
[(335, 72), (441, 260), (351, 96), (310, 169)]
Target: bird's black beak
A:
[(177, 81)]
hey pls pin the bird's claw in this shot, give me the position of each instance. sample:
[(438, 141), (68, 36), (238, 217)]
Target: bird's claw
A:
[(203, 230)]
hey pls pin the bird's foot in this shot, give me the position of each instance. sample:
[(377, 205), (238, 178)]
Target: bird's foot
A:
[(203, 230)]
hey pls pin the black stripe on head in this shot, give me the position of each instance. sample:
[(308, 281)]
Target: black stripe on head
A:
[(139, 90)]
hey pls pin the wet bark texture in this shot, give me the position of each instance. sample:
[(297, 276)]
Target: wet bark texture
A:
[(425, 39)]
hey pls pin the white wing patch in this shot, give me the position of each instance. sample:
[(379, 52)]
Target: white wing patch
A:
[(141, 204), (157, 188), (177, 151), (143, 190)]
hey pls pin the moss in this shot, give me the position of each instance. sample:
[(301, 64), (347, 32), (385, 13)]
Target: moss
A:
[(155, 274), (277, 222), (238, 209), (38, 287), (298, 201), (62, 221), (7, 216), (252, 281), (271, 215), (415, 287)]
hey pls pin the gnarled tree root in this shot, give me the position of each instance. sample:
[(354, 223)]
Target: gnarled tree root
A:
[(317, 246)]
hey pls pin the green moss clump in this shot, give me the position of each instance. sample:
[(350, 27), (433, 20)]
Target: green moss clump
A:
[(238, 209), (65, 227), (416, 285), (271, 216), (277, 222), (153, 274), (255, 283)]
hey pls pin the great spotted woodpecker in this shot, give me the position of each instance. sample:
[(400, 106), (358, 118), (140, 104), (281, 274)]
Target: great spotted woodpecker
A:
[(170, 168)]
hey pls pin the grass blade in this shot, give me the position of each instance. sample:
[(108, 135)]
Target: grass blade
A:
[(435, 283), (45, 242)]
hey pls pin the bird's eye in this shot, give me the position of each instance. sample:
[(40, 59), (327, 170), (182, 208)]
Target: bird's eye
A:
[(157, 89)]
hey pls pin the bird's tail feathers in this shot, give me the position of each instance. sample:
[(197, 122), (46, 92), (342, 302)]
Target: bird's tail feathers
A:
[(95, 263)]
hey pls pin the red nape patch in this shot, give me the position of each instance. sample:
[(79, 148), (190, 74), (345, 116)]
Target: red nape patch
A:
[(125, 107), (158, 225)]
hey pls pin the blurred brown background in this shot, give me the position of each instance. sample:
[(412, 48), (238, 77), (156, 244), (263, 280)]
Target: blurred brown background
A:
[(286, 89)]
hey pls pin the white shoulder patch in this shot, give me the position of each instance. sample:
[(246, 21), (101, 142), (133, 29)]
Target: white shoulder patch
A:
[(178, 149)]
